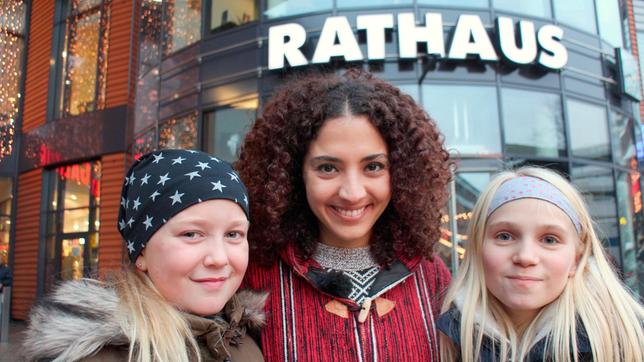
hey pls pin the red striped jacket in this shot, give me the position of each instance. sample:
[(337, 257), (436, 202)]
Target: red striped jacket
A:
[(306, 324)]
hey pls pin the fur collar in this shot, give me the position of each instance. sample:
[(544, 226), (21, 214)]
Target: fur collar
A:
[(81, 317)]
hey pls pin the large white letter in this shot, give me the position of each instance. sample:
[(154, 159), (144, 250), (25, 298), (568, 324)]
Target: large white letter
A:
[(279, 48), (553, 54), (347, 46), (375, 26), (409, 35), (508, 44), (470, 27)]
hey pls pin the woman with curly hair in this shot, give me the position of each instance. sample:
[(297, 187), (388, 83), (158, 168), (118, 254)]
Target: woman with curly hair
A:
[(346, 176)]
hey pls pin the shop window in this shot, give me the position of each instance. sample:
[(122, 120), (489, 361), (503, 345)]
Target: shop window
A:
[(588, 126), (143, 143), (182, 25), (629, 206), (598, 190), (623, 140), (640, 42), (73, 223), (533, 123), (468, 187), (369, 3), (12, 45), (179, 132), (6, 199), (467, 116), (456, 3), (539, 8), (225, 128), (610, 23), (227, 14), (150, 35), (280, 8), (83, 57), (576, 13)]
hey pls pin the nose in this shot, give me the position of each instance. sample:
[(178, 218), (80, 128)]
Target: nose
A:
[(525, 254), (352, 188), (215, 254)]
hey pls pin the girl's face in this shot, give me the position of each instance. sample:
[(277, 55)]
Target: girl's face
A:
[(198, 258), (529, 252), (346, 175)]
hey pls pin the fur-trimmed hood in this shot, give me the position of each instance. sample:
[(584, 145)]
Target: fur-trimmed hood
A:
[(81, 317)]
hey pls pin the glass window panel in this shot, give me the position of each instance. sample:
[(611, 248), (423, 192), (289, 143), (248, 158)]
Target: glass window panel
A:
[(458, 3), (467, 116), (610, 23), (598, 189), (51, 260), (150, 35), (540, 8), (6, 198), (226, 14), (225, 129), (72, 259), (588, 130), (533, 123), (410, 89), (182, 24), (82, 55), (92, 246), (623, 140), (82, 5), (279, 8), (179, 133), (640, 40), (626, 202), (76, 220), (367, 3), (577, 13)]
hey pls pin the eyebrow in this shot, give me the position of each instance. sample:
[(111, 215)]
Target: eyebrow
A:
[(335, 159), (511, 225)]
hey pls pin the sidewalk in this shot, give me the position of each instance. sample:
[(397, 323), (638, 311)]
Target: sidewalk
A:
[(9, 350)]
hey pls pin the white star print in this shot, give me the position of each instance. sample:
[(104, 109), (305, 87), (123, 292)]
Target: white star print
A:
[(192, 151), (129, 222), (136, 204), (178, 160), (233, 176), (123, 199), (193, 174), (163, 179), (245, 200), (154, 195), (218, 186), (121, 224), (203, 165), (144, 180), (215, 159), (130, 247), (148, 222), (176, 197), (132, 178), (158, 157)]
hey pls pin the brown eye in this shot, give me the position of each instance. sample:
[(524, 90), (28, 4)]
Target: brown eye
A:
[(326, 168), (374, 167)]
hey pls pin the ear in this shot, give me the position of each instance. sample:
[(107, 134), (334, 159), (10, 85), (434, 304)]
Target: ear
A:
[(573, 268), (140, 263)]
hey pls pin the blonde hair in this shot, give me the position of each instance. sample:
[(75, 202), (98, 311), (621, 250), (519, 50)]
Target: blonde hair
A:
[(156, 329), (594, 297)]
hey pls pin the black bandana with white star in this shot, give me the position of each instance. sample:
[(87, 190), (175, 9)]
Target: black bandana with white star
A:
[(163, 183)]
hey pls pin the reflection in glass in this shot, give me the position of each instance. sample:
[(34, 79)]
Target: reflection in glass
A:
[(610, 23), (577, 13), (150, 30), (533, 123), (627, 228), (467, 116), (367, 3), (226, 14), (279, 8), (457, 3), (143, 143), (598, 190), (225, 129), (182, 25), (179, 133), (540, 8), (623, 140), (588, 130), (6, 198)]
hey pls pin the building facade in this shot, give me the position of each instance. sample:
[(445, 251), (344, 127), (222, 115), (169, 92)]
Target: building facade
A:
[(92, 84)]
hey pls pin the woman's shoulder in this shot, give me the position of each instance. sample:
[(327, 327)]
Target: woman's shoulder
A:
[(74, 322)]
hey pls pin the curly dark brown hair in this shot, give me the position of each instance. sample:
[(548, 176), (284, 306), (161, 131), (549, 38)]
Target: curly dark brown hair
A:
[(271, 158)]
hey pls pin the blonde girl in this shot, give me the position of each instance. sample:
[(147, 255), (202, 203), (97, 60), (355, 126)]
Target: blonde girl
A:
[(535, 283)]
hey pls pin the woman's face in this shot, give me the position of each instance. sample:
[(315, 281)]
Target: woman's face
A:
[(347, 180), (198, 258), (529, 253)]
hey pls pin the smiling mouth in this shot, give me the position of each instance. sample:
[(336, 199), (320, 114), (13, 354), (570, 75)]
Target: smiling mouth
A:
[(350, 213), (524, 278)]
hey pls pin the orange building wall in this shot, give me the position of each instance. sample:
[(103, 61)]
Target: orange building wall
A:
[(110, 241)]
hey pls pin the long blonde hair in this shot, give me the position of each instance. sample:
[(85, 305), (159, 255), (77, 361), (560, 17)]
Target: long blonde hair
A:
[(156, 329), (594, 297)]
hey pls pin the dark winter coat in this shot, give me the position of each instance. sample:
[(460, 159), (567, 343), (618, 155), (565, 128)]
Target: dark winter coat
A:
[(309, 322), (450, 324), (5, 276), (78, 322)]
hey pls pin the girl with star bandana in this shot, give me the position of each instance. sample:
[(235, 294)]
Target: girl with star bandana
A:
[(535, 284), (184, 218), (347, 176)]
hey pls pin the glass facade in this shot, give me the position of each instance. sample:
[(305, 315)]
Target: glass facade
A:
[(228, 14), (73, 222), (6, 202)]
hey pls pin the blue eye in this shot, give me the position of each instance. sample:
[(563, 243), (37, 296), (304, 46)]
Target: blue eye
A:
[(550, 240), (504, 236), (191, 235)]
